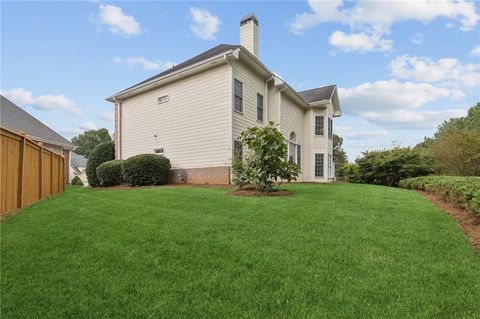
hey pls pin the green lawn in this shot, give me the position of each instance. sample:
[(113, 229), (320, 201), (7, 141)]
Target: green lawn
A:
[(333, 251)]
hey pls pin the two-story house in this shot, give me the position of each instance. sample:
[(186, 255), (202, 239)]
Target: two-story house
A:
[(194, 112)]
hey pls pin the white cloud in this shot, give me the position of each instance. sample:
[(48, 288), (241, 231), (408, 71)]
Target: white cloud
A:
[(362, 42), (88, 126), (381, 15), (349, 132), (144, 63), (117, 21), (370, 20), (397, 104), (475, 51), (205, 25), (417, 38), (108, 116), (446, 71), (406, 119), (23, 98)]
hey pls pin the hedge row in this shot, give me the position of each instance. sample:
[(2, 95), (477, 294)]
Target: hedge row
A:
[(143, 169), (463, 192)]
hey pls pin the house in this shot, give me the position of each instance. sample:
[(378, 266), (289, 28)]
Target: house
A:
[(16, 119), (78, 163), (194, 112)]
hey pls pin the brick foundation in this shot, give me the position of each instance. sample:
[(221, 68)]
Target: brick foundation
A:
[(206, 175)]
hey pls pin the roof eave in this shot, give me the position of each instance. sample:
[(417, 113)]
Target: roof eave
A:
[(158, 81)]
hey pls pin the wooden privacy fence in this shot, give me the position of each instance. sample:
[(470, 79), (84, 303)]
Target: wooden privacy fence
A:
[(29, 172)]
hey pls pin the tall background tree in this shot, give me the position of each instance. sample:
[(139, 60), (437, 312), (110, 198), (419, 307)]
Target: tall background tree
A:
[(85, 143), (339, 155)]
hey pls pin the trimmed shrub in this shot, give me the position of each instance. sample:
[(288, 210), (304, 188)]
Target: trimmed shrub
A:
[(146, 169), (110, 173), (101, 153), (462, 191), (76, 181)]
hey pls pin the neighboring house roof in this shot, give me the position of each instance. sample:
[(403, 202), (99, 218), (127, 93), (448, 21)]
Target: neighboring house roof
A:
[(77, 160), (318, 94), (219, 49), (16, 119)]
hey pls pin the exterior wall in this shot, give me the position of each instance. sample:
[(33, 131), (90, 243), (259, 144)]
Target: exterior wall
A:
[(193, 127), (273, 104), (207, 175), (321, 144), (293, 120)]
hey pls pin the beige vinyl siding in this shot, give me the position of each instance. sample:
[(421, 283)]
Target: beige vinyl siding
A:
[(249, 37), (307, 161), (272, 105), (252, 84), (193, 127), (319, 143), (293, 120)]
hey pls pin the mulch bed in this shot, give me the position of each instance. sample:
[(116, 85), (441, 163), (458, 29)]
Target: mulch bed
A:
[(252, 192), (468, 221)]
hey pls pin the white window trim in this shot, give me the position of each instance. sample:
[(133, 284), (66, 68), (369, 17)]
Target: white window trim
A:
[(315, 126), (243, 96), (263, 110), (314, 164)]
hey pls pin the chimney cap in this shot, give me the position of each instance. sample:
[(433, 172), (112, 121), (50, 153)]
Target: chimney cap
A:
[(248, 17)]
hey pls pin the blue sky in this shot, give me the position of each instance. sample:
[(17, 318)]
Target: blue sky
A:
[(401, 67)]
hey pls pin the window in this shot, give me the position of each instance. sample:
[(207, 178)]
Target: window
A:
[(319, 125), (299, 156), (330, 128), (259, 107), (163, 99), (330, 161), (237, 151), (238, 96), (319, 165), (292, 148)]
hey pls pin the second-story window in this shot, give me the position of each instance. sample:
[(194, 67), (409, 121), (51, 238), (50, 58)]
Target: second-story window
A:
[(330, 128), (319, 125), (259, 107), (238, 96)]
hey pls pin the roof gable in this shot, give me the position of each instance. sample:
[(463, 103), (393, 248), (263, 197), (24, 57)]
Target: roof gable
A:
[(16, 119), (318, 94)]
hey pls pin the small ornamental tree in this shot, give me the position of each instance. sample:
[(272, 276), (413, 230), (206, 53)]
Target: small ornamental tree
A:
[(266, 163)]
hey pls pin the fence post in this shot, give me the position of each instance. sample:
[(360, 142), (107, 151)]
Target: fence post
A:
[(21, 169), (51, 172), (40, 173)]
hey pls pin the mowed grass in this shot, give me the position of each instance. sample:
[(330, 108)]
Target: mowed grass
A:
[(331, 251)]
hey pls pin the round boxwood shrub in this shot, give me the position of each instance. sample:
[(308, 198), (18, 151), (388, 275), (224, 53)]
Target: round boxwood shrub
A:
[(146, 169), (101, 153), (110, 173), (76, 181)]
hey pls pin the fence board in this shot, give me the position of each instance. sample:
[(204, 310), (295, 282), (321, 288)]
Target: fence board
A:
[(28, 171)]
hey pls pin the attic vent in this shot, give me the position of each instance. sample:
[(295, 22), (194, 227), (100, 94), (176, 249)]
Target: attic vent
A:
[(159, 150), (163, 99)]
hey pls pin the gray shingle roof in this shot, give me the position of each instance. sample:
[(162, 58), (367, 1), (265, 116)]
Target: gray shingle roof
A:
[(16, 119), (219, 49), (318, 94), (77, 160)]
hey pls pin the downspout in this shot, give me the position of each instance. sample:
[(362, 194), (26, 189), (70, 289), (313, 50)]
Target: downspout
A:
[(119, 126), (230, 135), (266, 98)]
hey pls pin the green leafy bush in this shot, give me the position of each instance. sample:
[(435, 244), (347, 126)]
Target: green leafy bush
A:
[(101, 153), (146, 169), (266, 162), (110, 173), (388, 167), (76, 181), (462, 191)]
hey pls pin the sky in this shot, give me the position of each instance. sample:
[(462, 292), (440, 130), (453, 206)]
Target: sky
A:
[(401, 67)]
